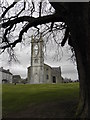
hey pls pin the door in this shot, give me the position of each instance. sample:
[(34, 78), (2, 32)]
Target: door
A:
[(54, 79)]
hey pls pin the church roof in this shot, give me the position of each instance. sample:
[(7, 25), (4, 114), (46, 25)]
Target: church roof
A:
[(5, 71), (47, 65), (56, 68)]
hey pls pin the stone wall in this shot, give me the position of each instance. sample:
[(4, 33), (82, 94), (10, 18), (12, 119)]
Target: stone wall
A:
[(51, 75)]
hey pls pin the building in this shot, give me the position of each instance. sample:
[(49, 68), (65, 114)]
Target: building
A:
[(16, 79), (39, 72), (5, 76)]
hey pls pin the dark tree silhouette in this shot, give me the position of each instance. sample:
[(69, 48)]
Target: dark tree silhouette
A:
[(75, 19)]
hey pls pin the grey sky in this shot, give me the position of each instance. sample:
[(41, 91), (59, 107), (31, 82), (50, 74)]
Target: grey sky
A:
[(23, 54)]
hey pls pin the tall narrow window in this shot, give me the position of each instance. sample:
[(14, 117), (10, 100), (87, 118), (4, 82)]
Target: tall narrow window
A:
[(47, 76), (36, 60)]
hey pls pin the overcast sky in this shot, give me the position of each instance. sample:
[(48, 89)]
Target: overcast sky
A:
[(23, 54)]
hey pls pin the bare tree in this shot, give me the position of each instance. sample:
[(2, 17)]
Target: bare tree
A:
[(25, 22), (72, 17)]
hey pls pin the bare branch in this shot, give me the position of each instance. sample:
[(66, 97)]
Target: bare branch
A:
[(40, 9), (21, 9), (31, 22), (65, 37), (34, 21), (7, 9)]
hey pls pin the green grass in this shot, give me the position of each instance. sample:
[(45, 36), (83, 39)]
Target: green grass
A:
[(18, 97)]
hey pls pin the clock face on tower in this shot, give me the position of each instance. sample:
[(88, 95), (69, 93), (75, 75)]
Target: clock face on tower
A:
[(36, 50)]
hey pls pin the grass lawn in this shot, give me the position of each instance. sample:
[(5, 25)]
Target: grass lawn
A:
[(20, 96)]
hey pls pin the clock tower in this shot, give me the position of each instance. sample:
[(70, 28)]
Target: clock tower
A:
[(37, 61)]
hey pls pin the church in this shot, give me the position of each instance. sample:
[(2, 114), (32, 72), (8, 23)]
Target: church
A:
[(39, 72)]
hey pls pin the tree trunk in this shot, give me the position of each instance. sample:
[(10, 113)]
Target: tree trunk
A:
[(78, 21), (81, 35), (82, 110)]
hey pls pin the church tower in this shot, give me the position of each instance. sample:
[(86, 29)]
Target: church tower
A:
[(37, 61)]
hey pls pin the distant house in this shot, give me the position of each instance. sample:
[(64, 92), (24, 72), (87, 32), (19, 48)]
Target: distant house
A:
[(16, 79), (5, 76)]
